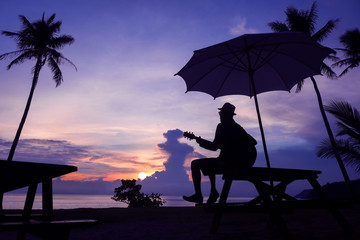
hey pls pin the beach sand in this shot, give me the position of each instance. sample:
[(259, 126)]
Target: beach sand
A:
[(194, 223)]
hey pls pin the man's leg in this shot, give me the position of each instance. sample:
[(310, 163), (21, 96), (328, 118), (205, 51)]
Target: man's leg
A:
[(213, 192), (209, 166), (212, 182), (196, 175)]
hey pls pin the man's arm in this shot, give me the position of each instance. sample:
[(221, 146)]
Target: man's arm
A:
[(214, 145), (207, 144)]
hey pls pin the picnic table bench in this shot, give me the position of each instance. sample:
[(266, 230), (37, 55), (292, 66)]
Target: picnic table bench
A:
[(271, 196), (15, 175)]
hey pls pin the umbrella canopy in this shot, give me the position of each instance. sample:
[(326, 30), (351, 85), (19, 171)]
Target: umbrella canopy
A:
[(253, 64)]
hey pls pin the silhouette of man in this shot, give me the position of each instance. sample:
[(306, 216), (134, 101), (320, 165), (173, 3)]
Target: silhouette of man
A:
[(237, 150)]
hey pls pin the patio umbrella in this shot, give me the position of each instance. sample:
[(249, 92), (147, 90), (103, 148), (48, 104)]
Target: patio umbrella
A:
[(253, 64)]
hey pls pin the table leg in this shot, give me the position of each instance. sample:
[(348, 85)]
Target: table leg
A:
[(47, 199), (266, 192), (330, 205), (1, 201), (218, 211), (30, 197)]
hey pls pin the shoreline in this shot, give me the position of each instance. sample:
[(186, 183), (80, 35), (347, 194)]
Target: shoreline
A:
[(194, 223)]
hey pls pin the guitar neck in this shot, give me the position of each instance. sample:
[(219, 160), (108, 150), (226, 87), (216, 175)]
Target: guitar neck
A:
[(191, 136)]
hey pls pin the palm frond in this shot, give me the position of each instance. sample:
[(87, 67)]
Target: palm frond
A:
[(297, 21), (342, 62), (54, 27), (57, 74), (333, 56), (349, 152), (60, 41), (351, 40), (326, 150), (26, 24), (348, 118), (51, 19), (325, 69), (25, 55), (347, 69), (70, 62), (10, 34), (59, 58), (351, 50), (351, 155), (311, 17), (299, 86), (278, 27), (12, 54), (345, 130), (343, 111), (325, 30)]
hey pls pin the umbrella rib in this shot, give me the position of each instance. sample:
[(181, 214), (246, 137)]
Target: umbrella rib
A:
[(246, 67), (241, 67), (212, 69), (293, 56), (225, 60), (266, 60), (224, 80)]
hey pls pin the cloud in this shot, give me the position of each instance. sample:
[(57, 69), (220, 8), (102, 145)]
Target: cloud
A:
[(240, 27), (173, 180), (92, 163)]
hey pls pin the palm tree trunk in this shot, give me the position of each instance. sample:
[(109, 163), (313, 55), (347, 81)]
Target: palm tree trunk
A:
[(332, 139), (26, 111)]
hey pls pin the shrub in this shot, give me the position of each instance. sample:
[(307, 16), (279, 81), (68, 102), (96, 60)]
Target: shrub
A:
[(129, 193)]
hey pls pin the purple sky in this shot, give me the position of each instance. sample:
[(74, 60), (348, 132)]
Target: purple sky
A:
[(109, 117)]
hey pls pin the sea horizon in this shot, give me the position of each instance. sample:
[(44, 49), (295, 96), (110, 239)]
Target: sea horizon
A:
[(14, 201)]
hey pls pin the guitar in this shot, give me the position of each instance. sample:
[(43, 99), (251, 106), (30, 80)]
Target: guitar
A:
[(190, 136)]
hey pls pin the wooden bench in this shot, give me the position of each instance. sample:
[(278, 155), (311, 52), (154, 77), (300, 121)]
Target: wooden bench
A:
[(49, 230), (271, 196)]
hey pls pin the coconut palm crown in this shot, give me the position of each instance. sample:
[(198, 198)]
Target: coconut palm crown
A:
[(37, 41), (304, 21), (351, 42)]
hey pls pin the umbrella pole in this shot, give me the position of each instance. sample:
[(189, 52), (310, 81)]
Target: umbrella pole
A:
[(251, 74)]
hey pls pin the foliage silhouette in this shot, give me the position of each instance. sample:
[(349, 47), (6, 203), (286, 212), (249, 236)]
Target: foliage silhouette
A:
[(38, 40), (348, 122), (351, 50), (129, 193)]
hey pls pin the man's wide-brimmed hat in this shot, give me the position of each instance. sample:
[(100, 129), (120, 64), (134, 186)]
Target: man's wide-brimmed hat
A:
[(228, 108)]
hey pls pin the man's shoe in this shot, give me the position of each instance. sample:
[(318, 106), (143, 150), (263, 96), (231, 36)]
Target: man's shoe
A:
[(212, 198), (194, 198)]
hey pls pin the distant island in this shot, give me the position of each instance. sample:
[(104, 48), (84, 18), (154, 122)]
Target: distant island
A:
[(333, 190)]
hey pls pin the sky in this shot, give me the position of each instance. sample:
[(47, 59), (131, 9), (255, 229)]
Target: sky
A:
[(123, 111)]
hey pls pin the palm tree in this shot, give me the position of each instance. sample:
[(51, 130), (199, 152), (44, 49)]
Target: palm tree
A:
[(351, 50), (348, 116), (304, 21), (349, 127), (38, 40)]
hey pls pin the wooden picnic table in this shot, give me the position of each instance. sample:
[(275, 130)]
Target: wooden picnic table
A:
[(272, 196), (15, 175)]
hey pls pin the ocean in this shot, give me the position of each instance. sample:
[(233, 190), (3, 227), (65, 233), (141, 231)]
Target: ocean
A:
[(71, 201)]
